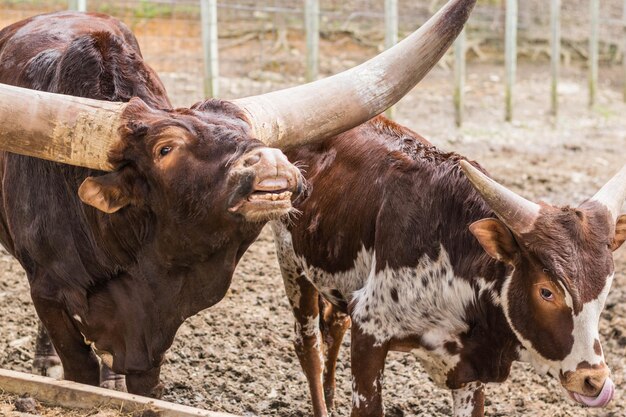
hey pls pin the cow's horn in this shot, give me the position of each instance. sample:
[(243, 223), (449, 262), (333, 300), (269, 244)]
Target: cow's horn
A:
[(613, 194), (333, 105), (515, 211), (72, 130)]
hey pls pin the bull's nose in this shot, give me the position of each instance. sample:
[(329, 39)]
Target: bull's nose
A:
[(272, 168), (265, 158)]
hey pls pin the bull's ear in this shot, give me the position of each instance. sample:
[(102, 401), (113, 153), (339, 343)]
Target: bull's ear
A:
[(496, 239), (107, 193), (620, 232)]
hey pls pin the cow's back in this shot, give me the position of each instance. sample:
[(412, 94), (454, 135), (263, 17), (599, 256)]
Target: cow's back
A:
[(380, 188)]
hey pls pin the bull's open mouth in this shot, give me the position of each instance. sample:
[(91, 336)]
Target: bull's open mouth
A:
[(601, 400), (270, 198)]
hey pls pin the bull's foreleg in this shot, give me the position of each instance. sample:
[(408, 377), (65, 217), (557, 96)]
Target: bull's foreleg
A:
[(145, 383), (334, 324), (46, 362), (368, 365), (80, 364), (469, 401)]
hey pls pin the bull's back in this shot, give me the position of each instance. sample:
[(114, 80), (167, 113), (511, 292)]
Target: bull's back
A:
[(87, 55)]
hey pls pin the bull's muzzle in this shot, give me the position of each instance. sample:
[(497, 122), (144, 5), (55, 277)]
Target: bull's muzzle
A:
[(276, 182)]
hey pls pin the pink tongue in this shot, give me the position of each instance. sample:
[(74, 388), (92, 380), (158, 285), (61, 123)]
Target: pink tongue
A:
[(605, 396)]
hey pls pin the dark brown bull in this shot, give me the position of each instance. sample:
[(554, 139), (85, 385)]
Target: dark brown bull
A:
[(116, 261), (422, 252)]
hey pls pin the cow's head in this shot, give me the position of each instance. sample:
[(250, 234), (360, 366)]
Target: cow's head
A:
[(194, 166), (562, 269)]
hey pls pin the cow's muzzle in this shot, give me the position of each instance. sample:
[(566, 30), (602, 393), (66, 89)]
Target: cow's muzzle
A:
[(591, 386), (269, 184)]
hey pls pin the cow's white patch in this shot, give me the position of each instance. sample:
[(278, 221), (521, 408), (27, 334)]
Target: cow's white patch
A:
[(358, 400), (77, 318), (585, 331), (463, 399)]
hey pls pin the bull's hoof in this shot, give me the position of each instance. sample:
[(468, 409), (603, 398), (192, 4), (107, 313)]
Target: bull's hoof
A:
[(117, 384), (48, 366)]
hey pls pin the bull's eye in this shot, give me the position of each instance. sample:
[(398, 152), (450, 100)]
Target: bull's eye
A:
[(165, 150), (546, 294)]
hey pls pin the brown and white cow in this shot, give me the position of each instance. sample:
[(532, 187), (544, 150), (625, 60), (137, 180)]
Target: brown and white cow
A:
[(424, 253), (116, 261)]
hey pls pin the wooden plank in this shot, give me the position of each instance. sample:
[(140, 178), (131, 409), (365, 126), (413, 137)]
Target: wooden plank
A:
[(312, 27), (391, 36), (73, 395), (555, 54), (593, 51), (208, 15), (460, 56), (510, 59)]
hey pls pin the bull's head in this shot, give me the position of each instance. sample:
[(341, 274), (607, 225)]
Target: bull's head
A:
[(202, 161), (562, 269)]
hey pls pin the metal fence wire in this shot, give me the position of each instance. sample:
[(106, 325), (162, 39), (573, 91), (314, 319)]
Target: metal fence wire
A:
[(262, 44)]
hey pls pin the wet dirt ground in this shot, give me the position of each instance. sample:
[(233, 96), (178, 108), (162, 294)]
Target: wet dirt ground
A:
[(238, 357)]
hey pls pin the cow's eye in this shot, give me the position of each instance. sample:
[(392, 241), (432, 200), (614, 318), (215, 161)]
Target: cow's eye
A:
[(546, 294), (165, 150)]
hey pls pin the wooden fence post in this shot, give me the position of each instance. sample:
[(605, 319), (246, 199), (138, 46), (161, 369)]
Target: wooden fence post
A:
[(555, 55), (510, 47), (459, 77), (624, 50), (593, 52), (208, 12), (391, 36), (312, 25)]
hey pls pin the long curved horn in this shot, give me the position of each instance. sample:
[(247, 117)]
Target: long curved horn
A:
[(515, 211), (333, 105), (72, 130), (613, 194)]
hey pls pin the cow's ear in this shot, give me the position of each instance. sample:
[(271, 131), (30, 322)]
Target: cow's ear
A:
[(496, 239), (620, 232), (107, 193)]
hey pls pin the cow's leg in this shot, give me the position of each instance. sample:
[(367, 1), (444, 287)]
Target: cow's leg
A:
[(308, 341), (111, 380), (303, 298), (79, 362), (145, 383), (46, 362), (368, 365), (334, 324), (469, 401)]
